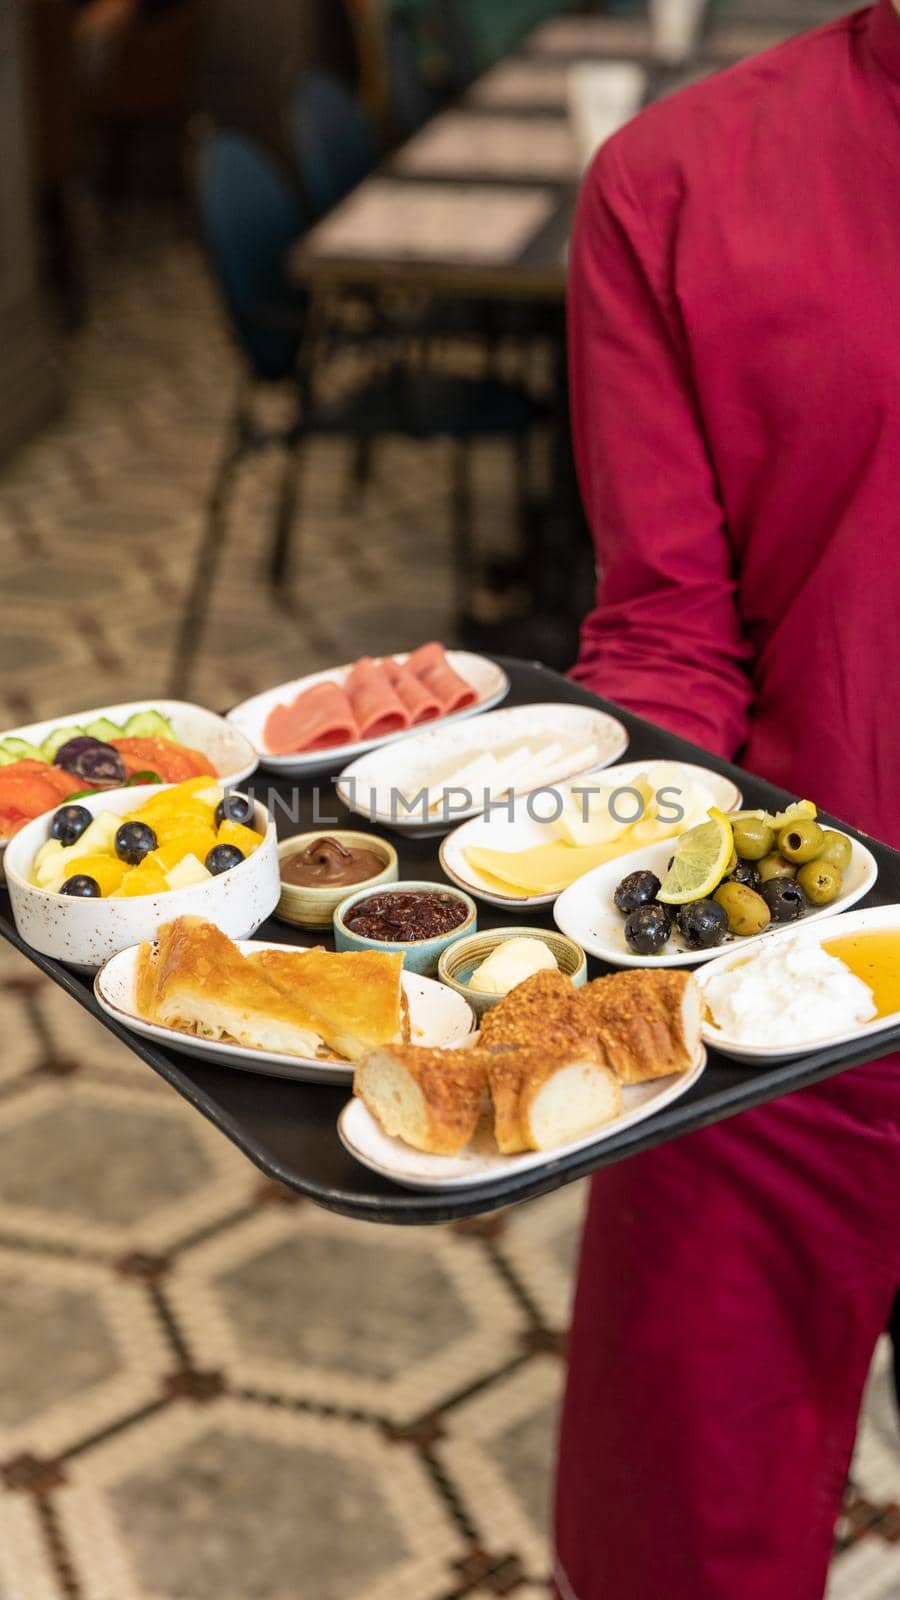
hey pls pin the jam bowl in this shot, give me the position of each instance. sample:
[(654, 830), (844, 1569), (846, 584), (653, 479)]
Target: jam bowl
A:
[(416, 918), (312, 905)]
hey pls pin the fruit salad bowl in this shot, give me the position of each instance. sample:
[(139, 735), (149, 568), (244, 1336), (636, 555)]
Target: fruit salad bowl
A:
[(85, 932)]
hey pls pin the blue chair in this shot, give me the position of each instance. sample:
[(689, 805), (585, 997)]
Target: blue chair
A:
[(249, 218), (333, 142)]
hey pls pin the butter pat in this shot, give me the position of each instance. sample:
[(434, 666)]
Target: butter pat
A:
[(510, 964)]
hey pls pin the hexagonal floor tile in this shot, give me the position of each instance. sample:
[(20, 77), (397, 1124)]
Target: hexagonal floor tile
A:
[(541, 1241), (79, 1348), (78, 1037), (251, 1502), (303, 1303), (103, 1167), (25, 1571), (499, 1454)]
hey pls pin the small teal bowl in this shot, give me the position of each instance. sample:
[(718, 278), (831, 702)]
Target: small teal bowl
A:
[(419, 955)]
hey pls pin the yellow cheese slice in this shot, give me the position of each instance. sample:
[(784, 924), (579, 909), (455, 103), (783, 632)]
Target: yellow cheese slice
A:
[(544, 869)]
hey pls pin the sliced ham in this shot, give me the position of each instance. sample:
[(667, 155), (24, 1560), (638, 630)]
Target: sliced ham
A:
[(378, 709), (430, 665), (420, 703), (320, 717)]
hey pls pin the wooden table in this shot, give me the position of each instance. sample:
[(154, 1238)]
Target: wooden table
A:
[(289, 1129)]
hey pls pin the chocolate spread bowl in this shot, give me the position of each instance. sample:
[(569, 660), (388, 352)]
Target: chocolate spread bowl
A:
[(421, 954), (313, 904)]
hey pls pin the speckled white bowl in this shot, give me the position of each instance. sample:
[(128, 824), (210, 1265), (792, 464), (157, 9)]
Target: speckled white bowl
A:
[(85, 933)]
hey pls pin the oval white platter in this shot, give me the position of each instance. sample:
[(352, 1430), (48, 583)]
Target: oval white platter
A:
[(480, 1163), (438, 1018), (874, 919), (249, 718), (524, 831), (577, 739), (586, 911)]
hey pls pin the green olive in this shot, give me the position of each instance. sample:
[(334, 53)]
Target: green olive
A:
[(775, 866), (838, 849), (746, 910), (820, 881), (753, 839), (801, 841)]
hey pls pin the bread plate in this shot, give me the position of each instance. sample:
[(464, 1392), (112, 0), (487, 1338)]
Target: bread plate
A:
[(525, 828), (437, 1017), (586, 912), (566, 740), (875, 919), (249, 718), (480, 1163)]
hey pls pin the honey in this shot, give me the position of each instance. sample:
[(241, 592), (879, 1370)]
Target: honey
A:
[(875, 958)]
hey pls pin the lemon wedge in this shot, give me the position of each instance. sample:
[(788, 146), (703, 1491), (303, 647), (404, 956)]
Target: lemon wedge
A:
[(700, 861), (801, 811)]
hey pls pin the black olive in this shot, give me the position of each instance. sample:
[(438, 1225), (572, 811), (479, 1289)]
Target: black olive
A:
[(702, 924), (222, 857), (785, 899), (134, 841), (746, 873), (69, 823), (638, 889), (647, 929)]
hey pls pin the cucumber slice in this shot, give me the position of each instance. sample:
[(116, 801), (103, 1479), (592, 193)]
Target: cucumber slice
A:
[(103, 729), (148, 725), (56, 738), (21, 750)]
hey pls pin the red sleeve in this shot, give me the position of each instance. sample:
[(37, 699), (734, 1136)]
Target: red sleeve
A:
[(664, 638)]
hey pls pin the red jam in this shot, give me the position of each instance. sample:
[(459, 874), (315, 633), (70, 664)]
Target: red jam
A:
[(398, 916)]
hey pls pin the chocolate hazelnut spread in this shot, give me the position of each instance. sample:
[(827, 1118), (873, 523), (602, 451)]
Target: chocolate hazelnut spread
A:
[(326, 864)]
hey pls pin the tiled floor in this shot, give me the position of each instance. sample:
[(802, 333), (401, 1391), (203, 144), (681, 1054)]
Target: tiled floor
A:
[(209, 1390)]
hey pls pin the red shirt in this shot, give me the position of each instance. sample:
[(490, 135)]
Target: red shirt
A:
[(735, 359)]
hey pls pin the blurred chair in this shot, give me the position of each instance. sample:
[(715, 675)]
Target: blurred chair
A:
[(249, 218), (412, 99), (332, 140)]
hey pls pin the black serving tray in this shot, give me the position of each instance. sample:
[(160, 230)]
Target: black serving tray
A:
[(289, 1129)]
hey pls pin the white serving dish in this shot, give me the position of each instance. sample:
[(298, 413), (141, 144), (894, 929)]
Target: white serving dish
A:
[(231, 753), (481, 1163), (368, 786), (249, 718), (871, 920), (586, 911), (85, 933), (523, 831), (438, 1018)]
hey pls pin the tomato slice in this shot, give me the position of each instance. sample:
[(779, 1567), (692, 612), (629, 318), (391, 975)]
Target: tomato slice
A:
[(173, 762)]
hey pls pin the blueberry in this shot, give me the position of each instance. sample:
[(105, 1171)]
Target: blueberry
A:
[(134, 841), (235, 808), (647, 929), (222, 857), (638, 889), (702, 924), (81, 887), (69, 823)]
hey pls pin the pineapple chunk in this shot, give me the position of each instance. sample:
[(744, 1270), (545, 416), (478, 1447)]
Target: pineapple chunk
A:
[(188, 872)]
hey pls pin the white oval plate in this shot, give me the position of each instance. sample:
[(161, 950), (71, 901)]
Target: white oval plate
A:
[(438, 1018), (870, 921), (584, 740), (250, 716), (231, 753), (523, 832), (586, 911), (481, 1163)]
